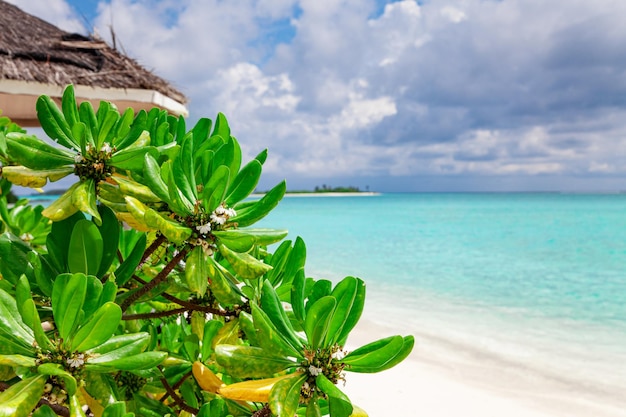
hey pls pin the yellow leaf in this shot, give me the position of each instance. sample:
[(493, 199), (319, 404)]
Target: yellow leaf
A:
[(257, 390), (207, 380)]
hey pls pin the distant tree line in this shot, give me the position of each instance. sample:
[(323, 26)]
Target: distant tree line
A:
[(328, 189)]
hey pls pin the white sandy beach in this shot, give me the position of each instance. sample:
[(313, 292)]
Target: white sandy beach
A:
[(435, 383)]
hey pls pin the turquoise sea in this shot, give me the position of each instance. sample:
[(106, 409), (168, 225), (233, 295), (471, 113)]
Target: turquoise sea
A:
[(535, 282)]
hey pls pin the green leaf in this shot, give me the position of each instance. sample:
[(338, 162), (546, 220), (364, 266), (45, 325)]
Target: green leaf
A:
[(85, 249), (132, 159), (9, 344), (379, 355), (320, 289), (44, 411), (313, 408), (14, 255), (68, 297), (19, 400), (269, 338), (215, 189), (62, 207), (107, 123), (84, 199), (272, 306), (317, 321), (17, 360), (235, 239), (242, 240), (173, 231), (340, 405), (297, 295), (110, 231), (137, 129), (197, 271), (98, 328), (285, 396), (244, 183), (345, 293), (53, 122), (261, 208), (354, 313), (177, 201), (32, 319), (244, 264), (55, 369), (210, 330), (76, 408), (223, 283), (152, 177), (134, 189), (119, 346), (181, 181), (26, 177), (140, 361), (116, 409), (88, 116), (250, 362), (32, 152), (11, 323), (126, 269)]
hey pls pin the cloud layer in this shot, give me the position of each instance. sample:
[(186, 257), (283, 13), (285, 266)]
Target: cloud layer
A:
[(450, 95)]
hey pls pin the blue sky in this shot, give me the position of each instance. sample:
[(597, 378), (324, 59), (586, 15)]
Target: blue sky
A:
[(446, 95)]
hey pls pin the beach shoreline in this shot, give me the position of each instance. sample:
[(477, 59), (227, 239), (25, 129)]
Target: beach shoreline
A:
[(438, 382)]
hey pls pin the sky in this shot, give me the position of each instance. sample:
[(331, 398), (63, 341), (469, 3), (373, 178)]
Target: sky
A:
[(392, 96)]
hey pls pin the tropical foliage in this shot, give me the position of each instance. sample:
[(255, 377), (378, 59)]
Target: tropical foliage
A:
[(145, 288)]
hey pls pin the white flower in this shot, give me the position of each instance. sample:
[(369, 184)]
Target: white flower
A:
[(215, 218), (314, 371), (204, 229), (106, 148), (76, 361), (338, 355), (79, 159), (27, 237), (231, 212), (221, 210)]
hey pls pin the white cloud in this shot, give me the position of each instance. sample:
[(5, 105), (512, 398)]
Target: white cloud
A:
[(57, 12), (474, 87)]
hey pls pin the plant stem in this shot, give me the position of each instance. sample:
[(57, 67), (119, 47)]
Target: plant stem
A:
[(177, 400), (263, 412), (160, 239), (154, 315), (160, 277), (191, 306)]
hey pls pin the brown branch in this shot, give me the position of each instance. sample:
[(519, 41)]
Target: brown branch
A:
[(160, 277), (153, 315), (177, 400), (59, 410), (176, 386), (192, 306), (263, 412), (160, 239), (198, 307)]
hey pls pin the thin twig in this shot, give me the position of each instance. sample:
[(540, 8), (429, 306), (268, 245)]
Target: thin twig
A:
[(153, 315), (160, 277), (177, 400), (263, 412), (192, 306), (160, 239)]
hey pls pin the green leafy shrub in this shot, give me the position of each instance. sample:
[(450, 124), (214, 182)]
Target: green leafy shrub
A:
[(145, 288)]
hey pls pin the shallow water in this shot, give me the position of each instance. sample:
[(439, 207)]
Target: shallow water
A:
[(533, 281)]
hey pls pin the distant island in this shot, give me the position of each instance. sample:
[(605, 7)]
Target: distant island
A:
[(327, 189)]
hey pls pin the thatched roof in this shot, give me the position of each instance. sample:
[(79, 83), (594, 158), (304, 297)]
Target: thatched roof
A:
[(36, 55)]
